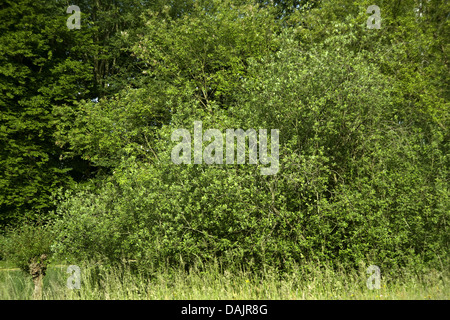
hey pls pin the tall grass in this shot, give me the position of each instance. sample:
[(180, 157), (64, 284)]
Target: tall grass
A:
[(211, 282)]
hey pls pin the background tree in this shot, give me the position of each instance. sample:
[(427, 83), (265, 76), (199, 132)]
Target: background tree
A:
[(36, 71), (45, 69)]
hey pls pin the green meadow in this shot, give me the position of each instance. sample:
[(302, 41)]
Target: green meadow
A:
[(211, 283)]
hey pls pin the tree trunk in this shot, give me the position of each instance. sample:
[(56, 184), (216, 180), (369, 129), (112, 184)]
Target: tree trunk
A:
[(38, 281), (37, 271)]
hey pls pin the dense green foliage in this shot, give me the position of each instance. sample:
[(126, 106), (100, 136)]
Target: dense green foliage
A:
[(362, 115)]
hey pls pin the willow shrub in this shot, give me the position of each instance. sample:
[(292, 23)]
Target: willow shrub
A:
[(356, 185)]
